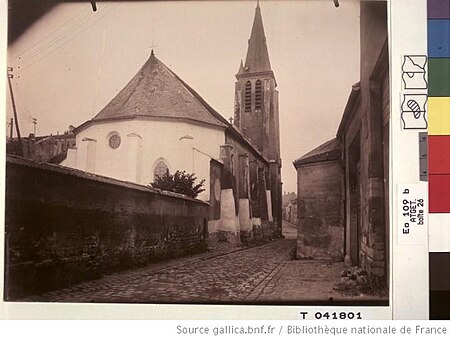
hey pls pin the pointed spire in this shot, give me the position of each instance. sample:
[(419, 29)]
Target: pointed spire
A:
[(241, 68), (257, 54)]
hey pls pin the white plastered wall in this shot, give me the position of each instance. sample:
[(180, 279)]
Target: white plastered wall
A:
[(182, 145)]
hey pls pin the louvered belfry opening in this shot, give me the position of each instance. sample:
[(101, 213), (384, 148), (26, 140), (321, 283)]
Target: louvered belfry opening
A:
[(248, 96), (258, 95)]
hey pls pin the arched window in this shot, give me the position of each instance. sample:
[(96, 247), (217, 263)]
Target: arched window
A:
[(161, 168), (258, 95), (248, 97)]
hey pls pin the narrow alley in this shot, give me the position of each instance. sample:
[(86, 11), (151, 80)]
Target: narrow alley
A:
[(262, 274)]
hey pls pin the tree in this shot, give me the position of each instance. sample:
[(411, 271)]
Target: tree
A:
[(180, 182)]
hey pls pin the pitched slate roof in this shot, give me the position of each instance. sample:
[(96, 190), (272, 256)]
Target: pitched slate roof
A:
[(330, 150), (155, 91)]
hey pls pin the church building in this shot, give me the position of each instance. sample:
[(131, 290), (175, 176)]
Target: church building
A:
[(158, 123)]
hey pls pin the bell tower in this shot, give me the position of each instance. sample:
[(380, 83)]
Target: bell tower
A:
[(256, 106)]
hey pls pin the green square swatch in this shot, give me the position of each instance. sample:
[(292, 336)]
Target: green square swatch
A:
[(439, 77)]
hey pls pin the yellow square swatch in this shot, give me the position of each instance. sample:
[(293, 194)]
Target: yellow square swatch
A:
[(439, 115)]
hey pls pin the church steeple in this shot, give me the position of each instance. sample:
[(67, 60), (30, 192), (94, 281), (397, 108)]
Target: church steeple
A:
[(256, 108), (257, 54), (256, 99)]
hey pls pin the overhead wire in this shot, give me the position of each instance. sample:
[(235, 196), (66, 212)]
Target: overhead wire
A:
[(24, 52), (57, 39), (25, 111), (106, 11)]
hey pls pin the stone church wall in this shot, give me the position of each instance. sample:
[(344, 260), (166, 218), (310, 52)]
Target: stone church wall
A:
[(252, 193), (64, 226)]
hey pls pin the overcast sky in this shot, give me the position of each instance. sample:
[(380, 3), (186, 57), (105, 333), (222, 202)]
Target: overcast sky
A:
[(73, 61)]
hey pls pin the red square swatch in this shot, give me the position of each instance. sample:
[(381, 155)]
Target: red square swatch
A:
[(439, 193), (439, 154)]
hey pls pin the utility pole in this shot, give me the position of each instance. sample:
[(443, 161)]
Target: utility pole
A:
[(19, 139), (34, 123), (10, 125)]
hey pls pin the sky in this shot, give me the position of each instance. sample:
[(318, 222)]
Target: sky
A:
[(73, 61)]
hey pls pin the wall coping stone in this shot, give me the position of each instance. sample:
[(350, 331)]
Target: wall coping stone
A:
[(16, 160)]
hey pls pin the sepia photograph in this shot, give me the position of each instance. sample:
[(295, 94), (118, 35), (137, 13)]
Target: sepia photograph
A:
[(198, 152)]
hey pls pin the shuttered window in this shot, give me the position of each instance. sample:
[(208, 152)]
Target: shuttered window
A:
[(248, 97), (258, 95)]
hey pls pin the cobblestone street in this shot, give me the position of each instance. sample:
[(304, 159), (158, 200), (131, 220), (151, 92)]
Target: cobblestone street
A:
[(223, 278), (262, 274)]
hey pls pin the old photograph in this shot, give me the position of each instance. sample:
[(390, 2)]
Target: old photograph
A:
[(198, 152)]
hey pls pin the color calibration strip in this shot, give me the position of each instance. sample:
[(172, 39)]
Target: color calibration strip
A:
[(439, 105)]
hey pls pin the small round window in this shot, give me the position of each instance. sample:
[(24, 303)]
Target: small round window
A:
[(114, 141)]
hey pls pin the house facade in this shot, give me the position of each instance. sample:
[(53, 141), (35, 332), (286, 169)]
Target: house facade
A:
[(356, 164)]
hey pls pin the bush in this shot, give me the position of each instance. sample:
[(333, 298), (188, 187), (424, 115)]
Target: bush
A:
[(180, 182)]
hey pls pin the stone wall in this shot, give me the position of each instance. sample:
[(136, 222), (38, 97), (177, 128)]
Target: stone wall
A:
[(320, 211), (373, 235), (64, 226), (361, 132)]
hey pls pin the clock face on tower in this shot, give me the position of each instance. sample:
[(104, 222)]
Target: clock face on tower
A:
[(114, 141)]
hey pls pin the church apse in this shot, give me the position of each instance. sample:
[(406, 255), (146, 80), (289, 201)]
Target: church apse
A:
[(159, 116)]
